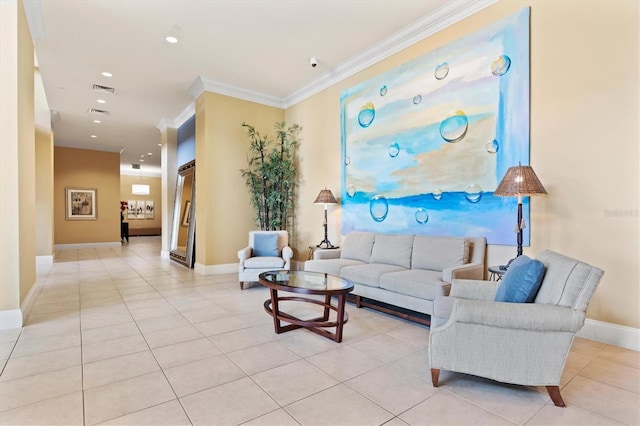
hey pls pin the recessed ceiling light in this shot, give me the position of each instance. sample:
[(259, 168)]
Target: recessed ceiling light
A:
[(101, 101), (94, 136), (149, 153), (97, 121), (141, 160), (107, 74), (171, 39)]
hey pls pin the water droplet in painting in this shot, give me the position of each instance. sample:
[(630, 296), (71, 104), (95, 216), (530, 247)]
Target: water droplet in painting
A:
[(437, 194), (378, 208), (394, 150), (351, 191), (454, 127), (383, 90), (492, 147), (347, 160), (473, 193), (501, 65), (441, 71), (366, 114), (417, 99), (422, 216)]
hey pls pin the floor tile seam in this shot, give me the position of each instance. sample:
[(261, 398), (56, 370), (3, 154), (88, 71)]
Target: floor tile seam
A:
[(13, 348), (41, 401), (79, 364), (142, 409), (470, 401), (135, 376), (571, 402), (47, 351), (605, 383)]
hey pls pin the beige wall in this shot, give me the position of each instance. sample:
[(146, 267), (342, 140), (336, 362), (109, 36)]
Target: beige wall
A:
[(44, 193), (81, 168), (223, 212), (17, 162), (584, 141), (155, 195)]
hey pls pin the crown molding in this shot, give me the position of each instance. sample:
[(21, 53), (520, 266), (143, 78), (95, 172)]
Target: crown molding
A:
[(447, 15), (201, 85)]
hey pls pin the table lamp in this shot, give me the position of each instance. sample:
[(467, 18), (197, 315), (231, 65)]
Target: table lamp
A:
[(519, 181), (325, 197)]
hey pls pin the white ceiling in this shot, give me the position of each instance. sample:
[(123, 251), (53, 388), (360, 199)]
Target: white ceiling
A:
[(253, 49)]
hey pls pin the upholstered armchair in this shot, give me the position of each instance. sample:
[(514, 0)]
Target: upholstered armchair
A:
[(519, 343), (267, 250)]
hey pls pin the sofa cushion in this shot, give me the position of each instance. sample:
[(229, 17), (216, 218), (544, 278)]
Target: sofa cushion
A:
[(420, 283), (357, 246), (265, 244), (262, 262), (521, 281), (369, 274), (330, 266), (439, 253), (392, 249)]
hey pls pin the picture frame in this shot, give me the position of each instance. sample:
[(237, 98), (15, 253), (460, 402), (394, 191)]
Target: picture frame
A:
[(81, 203), (131, 209), (140, 209), (186, 215), (149, 209)]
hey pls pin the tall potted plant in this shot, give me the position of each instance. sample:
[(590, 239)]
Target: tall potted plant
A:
[(272, 175)]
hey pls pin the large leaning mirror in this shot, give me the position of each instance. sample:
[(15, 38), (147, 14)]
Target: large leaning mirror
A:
[(183, 228)]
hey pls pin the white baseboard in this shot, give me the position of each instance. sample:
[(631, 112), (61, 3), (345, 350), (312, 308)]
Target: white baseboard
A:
[(164, 254), (30, 300), (44, 260), (227, 268), (612, 334), (10, 318), (86, 245)]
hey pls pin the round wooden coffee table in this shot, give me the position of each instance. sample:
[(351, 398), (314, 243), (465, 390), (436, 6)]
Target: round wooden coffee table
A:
[(307, 283)]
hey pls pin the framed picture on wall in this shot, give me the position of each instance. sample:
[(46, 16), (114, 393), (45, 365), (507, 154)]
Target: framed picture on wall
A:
[(81, 204), (148, 209), (131, 209), (140, 209)]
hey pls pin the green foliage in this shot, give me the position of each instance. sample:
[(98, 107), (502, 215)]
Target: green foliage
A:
[(272, 175)]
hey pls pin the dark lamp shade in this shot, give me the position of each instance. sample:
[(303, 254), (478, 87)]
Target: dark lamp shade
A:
[(325, 197), (519, 180)]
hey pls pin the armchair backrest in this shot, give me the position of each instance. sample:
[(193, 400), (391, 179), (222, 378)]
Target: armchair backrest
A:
[(567, 282), (283, 238)]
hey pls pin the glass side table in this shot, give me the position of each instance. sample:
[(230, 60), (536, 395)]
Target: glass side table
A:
[(495, 273)]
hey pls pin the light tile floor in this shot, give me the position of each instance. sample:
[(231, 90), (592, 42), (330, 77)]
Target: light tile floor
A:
[(121, 336)]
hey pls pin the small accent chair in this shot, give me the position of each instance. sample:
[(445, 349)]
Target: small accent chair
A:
[(519, 343), (267, 251)]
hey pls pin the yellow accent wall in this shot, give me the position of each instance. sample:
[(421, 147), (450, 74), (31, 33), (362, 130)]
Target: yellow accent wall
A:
[(584, 141), (155, 195), (81, 168), (224, 215)]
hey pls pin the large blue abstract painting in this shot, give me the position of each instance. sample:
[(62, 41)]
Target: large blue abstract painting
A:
[(425, 145)]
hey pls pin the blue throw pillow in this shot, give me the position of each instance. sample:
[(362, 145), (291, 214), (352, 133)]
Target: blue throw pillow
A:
[(265, 245), (521, 281)]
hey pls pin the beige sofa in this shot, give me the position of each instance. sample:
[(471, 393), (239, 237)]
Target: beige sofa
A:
[(406, 271)]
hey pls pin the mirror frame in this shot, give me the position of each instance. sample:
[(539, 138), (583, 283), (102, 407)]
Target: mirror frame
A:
[(187, 257)]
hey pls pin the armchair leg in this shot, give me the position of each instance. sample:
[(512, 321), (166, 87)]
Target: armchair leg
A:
[(241, 285), (554, 393), (435, 375)]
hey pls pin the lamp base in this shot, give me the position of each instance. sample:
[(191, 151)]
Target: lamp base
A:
[(326, 243)]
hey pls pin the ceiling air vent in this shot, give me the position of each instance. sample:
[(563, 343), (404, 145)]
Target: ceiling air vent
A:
[(104, 89), (95, 111), (135, 166)]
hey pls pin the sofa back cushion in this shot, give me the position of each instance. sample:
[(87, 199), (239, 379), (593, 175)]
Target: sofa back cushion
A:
[(393, 249), (439, 253), (357, 246)]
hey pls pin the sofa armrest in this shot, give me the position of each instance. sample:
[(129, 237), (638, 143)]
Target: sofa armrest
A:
[(525, 316), (469, 271), (326, 254), (244, 254), (287, 253), (474, 289)]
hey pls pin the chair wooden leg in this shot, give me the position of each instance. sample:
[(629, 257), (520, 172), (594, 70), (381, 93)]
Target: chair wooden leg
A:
[(554, 393), (241, 285), (435, 375)]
